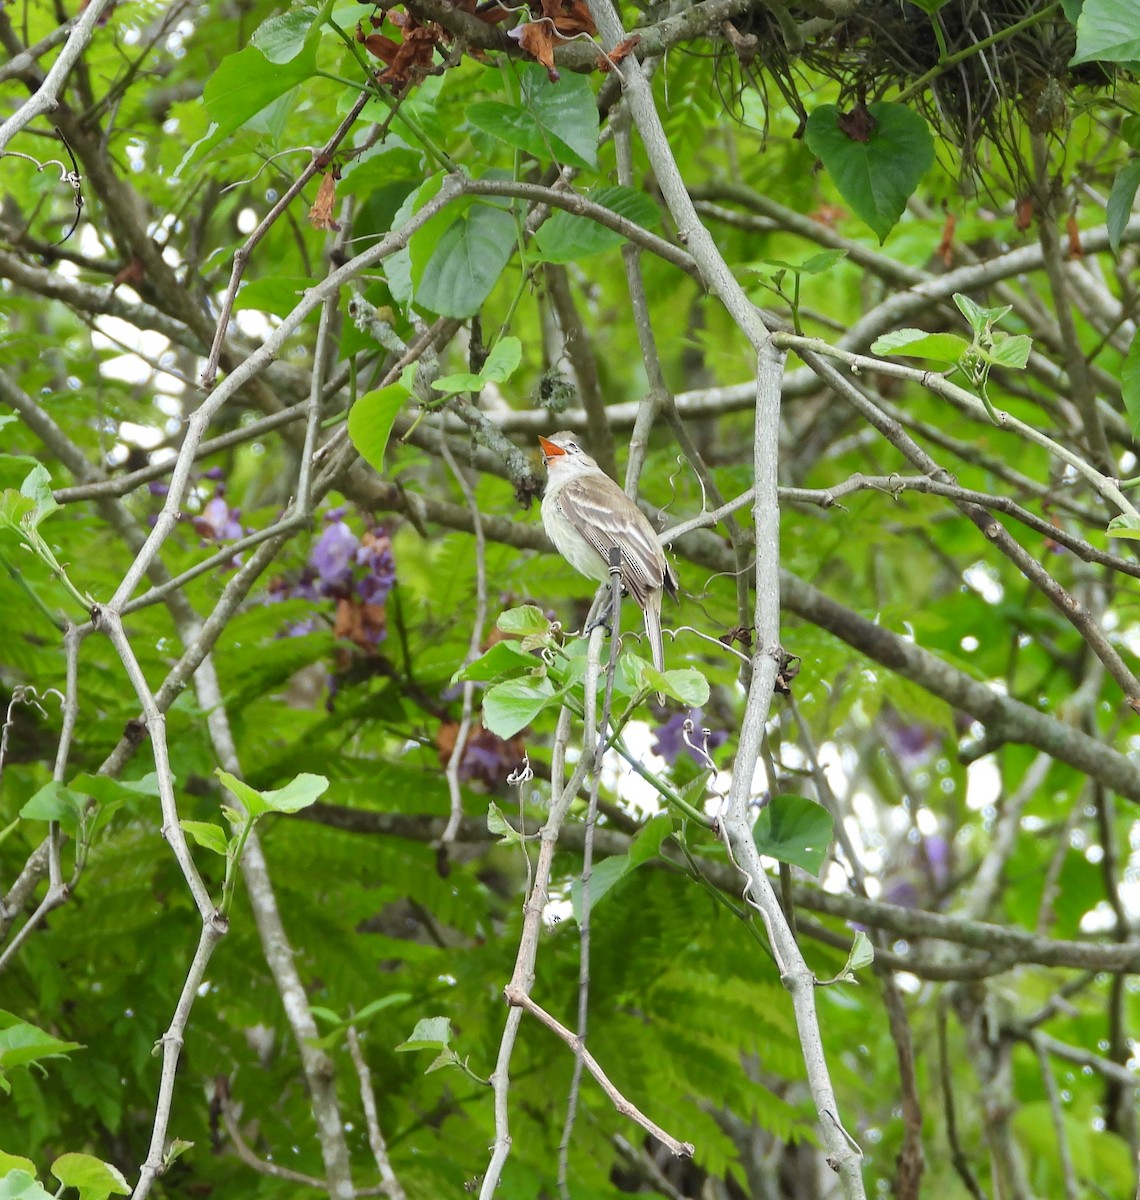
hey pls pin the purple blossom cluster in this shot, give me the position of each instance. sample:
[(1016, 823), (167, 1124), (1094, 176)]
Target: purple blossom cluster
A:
[(356, 572), (218, 522), (488, 759), (670, 741)]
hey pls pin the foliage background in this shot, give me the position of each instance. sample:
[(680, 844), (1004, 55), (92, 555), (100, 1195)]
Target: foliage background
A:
[(964, 624)]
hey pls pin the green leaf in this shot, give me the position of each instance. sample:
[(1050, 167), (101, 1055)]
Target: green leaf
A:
[(94, 1179), (176, 1148), (282, 37), (55, 802), (14, 1162), (603, 877), (1010, 350), (876, 176), (208, 836), (567, 238), (14, 469), (22, 1043), (794, 830), (370, 422), (1124, 526), (105, 789), (981, 319), (295, 795), (1120, 201), (554, 122), (467, 261), (1107, 31), (862, 952), (686, 684), (21, 1185), (14, 507), (503, 661), (365, 1014), (1130, 383), (37, 487), (1130, 131), (610, 871), (247, 82), (391, 1000), (24, 510), (647, 843), (398, 267), (815, 264), (511, 706), (498, 824), (527, 620), (276, 294), (917, 343), (696, 790), (501, 364), (430, 1033), (503, 361)]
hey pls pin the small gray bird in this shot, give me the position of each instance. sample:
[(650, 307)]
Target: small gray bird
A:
[(586, 514)]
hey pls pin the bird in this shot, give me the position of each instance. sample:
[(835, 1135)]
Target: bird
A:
[(586, 514)]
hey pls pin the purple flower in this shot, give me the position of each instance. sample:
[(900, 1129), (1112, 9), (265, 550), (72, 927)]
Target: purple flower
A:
[(937, 855), (670, 737), (218, 521), (375, 555), (903, 893), (487, 758), (214, 473), (331, 555), (913, 743), (283, 588)]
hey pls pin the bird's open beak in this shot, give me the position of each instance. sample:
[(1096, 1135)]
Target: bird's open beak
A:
[(549, 449)]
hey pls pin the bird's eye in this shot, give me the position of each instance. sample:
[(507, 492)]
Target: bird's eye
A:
[(572, 446)]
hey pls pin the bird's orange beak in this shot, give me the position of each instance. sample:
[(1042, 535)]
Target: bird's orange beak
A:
[(549, 449)]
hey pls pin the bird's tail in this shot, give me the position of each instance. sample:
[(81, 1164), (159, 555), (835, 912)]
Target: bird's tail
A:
[(653, 632)]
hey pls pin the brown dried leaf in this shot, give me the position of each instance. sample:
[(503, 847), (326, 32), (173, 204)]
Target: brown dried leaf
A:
[(828, 215), (134, 272), (945, 249), (569, 16), (624, 48), (378, 45), (1076, 250), (363, 624), (537, 39), (1024, 216), (416, 53), (858, 124), (321, 214)]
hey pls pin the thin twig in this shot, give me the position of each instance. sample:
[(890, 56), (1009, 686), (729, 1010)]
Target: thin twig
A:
[(563, 793), (46, 96), (319, 161), (521, 998), (600, 742), (1057, 1117), (474, 647), (390, 1181)]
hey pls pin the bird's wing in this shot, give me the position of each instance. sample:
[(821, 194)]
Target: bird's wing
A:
[(643, 565)]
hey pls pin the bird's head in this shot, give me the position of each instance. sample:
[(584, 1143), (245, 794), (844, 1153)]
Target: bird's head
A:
[(561, 452)]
